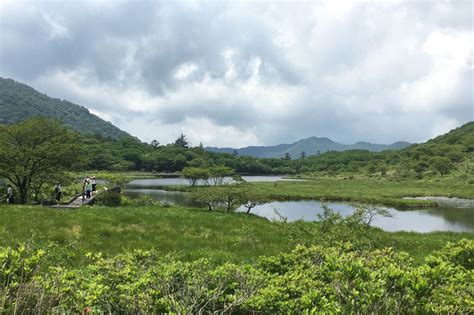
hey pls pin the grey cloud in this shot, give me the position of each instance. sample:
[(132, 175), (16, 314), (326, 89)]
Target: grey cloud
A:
[(349, 70)]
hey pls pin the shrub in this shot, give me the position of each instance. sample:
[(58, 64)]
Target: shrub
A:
[(109, 199), (310, 279)]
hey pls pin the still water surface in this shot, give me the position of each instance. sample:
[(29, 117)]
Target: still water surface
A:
[(427, 220), (181, 181)]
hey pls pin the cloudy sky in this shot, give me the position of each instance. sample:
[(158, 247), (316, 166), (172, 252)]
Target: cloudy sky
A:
[(231, 73)]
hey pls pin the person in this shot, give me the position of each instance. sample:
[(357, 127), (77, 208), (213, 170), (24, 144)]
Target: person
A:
[(9, 194), (88, 190), (84, 183), (94, 185), (57, 191)]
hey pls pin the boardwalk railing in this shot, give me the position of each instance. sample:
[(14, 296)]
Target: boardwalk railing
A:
[(76, 202)]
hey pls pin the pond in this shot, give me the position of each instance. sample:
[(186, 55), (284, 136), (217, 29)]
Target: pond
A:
[(444, 218), (149, 182)]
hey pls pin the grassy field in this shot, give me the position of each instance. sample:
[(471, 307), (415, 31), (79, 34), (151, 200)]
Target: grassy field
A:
[(187, 233), (373, 191), (378, 191)]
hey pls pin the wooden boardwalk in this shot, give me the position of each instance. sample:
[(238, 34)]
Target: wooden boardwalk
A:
[(75, 203)]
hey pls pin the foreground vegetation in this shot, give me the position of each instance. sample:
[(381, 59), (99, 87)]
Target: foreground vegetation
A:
[(154, 259), (193, 233), (309, 280)]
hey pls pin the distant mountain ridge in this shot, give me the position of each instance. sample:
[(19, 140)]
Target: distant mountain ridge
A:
[(19, 101), (311, 146)]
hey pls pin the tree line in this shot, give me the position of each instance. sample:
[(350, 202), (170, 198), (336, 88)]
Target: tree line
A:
[(40, 151)]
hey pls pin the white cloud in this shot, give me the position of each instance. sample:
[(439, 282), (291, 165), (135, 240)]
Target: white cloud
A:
[(56, 28), (205, 131), (256, 72), (449, 53), (185, 70)]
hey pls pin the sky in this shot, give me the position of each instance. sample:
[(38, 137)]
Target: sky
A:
[(230, 73)]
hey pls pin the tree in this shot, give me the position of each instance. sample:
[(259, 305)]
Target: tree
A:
[(33, 150), (43, 187), (372, 168), (155, 144), (210, 197), (442, 165), (303, 155), (179, 162), (198, 162), (218, 173), (251, 199), (195, 174), (287, 156), (182, 141), (420, 167), (230, 195)]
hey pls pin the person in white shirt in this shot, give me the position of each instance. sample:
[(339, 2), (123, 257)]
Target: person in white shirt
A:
[(9, 194)]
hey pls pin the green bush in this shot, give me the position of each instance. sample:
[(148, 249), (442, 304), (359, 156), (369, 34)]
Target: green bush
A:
[(309, 280), (109, 199)]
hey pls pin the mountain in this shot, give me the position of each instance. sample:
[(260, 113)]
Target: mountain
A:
[(462, 136), (19, 102), (311, 146)]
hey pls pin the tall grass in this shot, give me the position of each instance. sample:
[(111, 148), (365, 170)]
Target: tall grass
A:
[(187, 233), (367, 190)]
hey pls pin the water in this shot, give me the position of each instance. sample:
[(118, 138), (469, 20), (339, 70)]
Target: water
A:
[(164, 196), (427, 220), (150, 182), (450, 202)]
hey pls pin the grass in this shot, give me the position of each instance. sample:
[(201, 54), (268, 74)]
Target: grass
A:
[(374, 191), (190, 233), (187, 233), (377, 191)]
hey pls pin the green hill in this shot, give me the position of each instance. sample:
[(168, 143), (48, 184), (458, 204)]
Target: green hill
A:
[(311, 146), (19, 102), (452, 152), (463, 136)]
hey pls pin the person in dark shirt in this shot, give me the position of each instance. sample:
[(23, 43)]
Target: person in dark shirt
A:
[(57, 191)]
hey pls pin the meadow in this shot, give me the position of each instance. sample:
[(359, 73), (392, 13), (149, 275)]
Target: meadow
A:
[(161, 259), (375, 191), (189, 233), (378, 191)]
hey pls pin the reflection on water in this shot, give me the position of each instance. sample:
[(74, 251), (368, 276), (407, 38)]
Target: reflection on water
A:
[(165, 197), (439, 219), (429, 220), (181, 181), (448, 202)]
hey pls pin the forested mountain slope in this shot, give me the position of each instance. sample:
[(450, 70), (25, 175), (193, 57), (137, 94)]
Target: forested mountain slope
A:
[(310, 146), (19, 102)]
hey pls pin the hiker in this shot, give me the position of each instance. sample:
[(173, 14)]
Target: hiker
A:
[(88, 189), (84, 183), (9, 194), (57, 191), (94, 185)]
